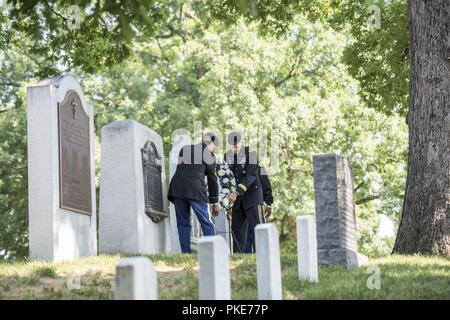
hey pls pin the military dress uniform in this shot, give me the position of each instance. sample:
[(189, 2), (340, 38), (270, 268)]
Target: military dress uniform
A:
[(268, 200), (245, 212)]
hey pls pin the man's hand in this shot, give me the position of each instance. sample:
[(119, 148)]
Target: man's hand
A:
[(268, 211), (215, 210), (232, 197)]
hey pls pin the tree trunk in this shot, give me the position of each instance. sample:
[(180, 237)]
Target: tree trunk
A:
[(425, 223)]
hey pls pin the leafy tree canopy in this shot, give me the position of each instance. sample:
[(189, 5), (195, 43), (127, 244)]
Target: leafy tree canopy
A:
[(84, 33), (376, 57)]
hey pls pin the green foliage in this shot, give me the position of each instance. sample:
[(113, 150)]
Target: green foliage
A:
[(377, 58), (15, 67), (30, 280), (45, 271), (92, 35), (13, 185)]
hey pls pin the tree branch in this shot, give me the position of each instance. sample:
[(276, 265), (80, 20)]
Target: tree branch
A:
[(175, 31), (10, 84), (367, 199), (55, 12), (292, 72), (6, 110), (359, 186), (165, 36), (161, 50)]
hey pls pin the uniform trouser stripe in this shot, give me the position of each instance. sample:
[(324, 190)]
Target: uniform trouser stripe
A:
[(262, 218)]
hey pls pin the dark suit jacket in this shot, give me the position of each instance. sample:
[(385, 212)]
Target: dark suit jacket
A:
[(194, 163), (246, 173)]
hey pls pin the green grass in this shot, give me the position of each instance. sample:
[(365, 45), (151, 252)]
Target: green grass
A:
[(45, 271), (402, 277)]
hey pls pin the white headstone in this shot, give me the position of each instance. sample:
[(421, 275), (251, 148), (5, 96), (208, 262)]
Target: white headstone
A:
[(214, 272), (268, 266), (135, 280), (307, 249), (61, 171), (223, 227), (124, 226)]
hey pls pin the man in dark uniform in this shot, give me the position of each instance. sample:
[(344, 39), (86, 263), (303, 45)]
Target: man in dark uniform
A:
[(248, 195), (188, 189), (264, 211)]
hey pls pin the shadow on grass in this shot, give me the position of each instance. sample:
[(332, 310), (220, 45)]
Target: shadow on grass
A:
[(401, 277)]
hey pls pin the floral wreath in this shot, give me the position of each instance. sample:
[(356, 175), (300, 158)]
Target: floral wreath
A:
[(227, 182)]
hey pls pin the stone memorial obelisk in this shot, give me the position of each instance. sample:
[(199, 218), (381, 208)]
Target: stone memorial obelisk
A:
[(335, 212), (133, 192), (61, 171)]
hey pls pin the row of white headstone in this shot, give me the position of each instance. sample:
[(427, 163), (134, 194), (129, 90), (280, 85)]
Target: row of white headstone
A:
[(136, 277)]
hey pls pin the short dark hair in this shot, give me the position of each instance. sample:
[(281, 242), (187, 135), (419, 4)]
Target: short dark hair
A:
[(210, 137)]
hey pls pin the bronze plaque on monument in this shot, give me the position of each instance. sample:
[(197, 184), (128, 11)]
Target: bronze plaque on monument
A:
[(74, 155), (153, 188)]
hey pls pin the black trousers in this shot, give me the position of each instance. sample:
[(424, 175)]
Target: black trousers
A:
[(243, 220), (250, 246)]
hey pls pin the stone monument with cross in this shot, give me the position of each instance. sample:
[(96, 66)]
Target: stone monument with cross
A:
[(61, 171)]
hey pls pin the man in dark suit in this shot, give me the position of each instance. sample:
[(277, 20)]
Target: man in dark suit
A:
[(188, 189), (248, 195)]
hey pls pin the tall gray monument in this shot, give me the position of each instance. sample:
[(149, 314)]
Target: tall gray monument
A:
[(335, 212)]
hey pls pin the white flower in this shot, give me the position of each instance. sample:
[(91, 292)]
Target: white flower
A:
[(225, 180), (221, 172), (225, 190), (225, 202)]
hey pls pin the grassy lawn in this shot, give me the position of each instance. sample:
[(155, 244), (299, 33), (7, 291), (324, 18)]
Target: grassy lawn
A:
[(402, 277)]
